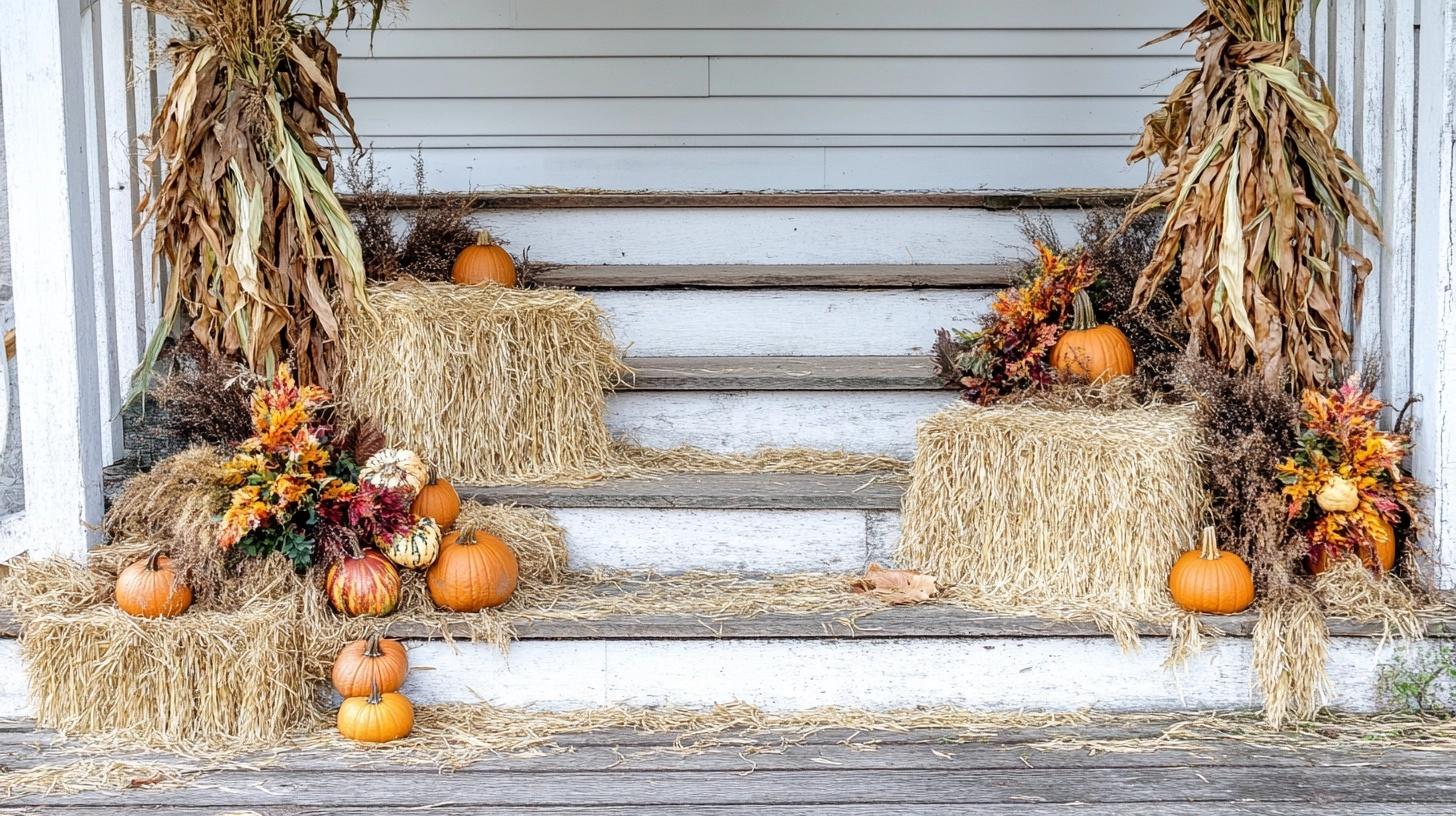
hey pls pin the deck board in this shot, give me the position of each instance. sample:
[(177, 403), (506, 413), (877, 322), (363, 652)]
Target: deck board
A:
[(626, 773), (403, 787)]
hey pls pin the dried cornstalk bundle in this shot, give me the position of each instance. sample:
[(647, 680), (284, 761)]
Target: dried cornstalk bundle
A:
[(1257, 197), (256, 242)]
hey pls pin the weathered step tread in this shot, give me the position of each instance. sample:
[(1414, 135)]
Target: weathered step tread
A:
[(701, 491), (783, 374), (924, 621), (884, 276)]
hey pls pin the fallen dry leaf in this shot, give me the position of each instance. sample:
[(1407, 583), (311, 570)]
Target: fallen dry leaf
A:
[(896, 586)]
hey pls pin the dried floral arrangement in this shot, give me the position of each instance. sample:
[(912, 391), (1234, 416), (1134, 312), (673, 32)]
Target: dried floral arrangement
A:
[(436, 228), (1010, 352), (256, 243), (293, 492), (1256, 195), (1344, 486)]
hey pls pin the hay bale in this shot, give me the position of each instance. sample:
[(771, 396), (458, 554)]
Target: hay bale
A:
[(205, 676), (489, 384), (1061, 512)]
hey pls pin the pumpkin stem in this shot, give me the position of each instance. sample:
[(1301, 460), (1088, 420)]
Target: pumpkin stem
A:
[(1084, 317), (1209, 544), (354, 545), (434, 476), (154, 560), (371, 649), (374, 697), (484, 238)]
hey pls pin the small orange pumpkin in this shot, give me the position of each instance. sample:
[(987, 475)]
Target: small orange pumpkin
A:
[(437, 500), (380, 717), (150, 588), (475, 570), (372, 663), (363, 582), (484, 262), (1210, 580), (1090, 351)]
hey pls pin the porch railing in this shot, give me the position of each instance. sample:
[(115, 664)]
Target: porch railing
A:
[(76, 83)]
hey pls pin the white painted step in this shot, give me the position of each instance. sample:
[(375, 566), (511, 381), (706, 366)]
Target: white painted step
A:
[(1059, 674), (786, 322), (768, 235), (871, 422), (763, 523), (787, 663)]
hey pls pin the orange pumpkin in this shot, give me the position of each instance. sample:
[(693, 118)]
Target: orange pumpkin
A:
[(363, 582), (1210, 580), (485, 262), (1089, 351), (475, 570), (1384, 536), (372, 663), (437, 500), (150, 588), (380, 717), (1385, 551)]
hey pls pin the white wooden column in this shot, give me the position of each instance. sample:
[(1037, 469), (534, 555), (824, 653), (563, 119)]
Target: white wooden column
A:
[(50, 243), (1434, 299)]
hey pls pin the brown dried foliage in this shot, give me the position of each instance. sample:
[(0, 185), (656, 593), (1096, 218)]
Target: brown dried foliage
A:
[(1248, 427), (256, 243), (202, 400), (436, 228), (1257, 195)]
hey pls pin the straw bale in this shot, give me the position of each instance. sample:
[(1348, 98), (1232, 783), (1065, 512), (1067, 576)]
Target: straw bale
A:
[(1064, 513), (206, 675), (491, 384)]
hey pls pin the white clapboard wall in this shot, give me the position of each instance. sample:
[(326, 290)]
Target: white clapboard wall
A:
[(767, 94)]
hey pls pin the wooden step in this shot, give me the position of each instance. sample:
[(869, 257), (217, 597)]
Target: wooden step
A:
[(698, 491), (922, 621), (754, 276), (783, 374)]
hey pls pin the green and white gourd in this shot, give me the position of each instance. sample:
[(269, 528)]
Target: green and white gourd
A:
[(416, 549)]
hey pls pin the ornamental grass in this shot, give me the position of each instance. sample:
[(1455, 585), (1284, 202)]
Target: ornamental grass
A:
[(261, 256), (1257, 196)]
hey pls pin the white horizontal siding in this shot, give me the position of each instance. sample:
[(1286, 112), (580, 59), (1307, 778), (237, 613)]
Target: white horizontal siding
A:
[(767, 167), (768, 94), (772, 14)]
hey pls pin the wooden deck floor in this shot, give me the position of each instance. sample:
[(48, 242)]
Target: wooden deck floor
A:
[(834, 773)]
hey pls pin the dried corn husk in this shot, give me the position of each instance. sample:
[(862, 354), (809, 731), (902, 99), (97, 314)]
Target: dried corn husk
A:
[(1257, 196), (255, 242)]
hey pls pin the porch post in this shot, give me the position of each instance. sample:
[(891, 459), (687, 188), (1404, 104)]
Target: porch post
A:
[(50, 244), (1434, 300)]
